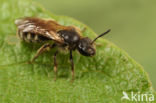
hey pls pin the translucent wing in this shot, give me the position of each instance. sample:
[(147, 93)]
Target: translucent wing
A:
[(47, 28)]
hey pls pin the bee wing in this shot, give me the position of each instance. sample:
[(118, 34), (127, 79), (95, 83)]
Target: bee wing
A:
[(47, 28)]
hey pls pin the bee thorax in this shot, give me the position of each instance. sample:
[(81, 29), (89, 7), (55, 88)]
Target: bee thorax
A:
[(70, 37)]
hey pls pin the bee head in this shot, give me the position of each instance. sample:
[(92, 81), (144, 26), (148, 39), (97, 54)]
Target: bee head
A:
[(86, 45)]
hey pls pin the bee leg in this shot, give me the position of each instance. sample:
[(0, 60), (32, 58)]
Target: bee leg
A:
[(44, 48), (55, 64), (72, 65)]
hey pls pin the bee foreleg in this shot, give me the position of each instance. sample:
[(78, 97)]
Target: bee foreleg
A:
[(55, 64), (72, 65), (43, 48)]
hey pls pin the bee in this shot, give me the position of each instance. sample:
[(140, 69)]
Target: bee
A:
[(37, 30)]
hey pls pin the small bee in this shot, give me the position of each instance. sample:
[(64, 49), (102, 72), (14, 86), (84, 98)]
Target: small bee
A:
[(32, 29)]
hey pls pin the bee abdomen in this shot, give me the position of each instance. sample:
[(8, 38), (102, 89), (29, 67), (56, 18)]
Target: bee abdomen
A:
[(32, 37)]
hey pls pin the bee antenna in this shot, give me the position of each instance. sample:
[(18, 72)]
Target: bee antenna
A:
[(101, 35)]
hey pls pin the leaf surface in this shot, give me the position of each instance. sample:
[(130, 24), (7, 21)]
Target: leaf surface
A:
[(99, 79)]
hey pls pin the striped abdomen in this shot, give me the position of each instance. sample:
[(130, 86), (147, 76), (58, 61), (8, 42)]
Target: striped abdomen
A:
[(31, 37)]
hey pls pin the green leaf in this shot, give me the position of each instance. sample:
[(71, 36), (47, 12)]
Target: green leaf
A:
[(99, 79)]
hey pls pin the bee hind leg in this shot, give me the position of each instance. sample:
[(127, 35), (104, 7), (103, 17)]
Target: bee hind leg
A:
[(72, 65), (55, 65), (42, 49)]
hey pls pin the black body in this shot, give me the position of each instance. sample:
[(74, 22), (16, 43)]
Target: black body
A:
[(73, 40)]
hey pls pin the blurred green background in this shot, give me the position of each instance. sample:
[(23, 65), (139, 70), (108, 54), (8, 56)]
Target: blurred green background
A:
[(133, 24)]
